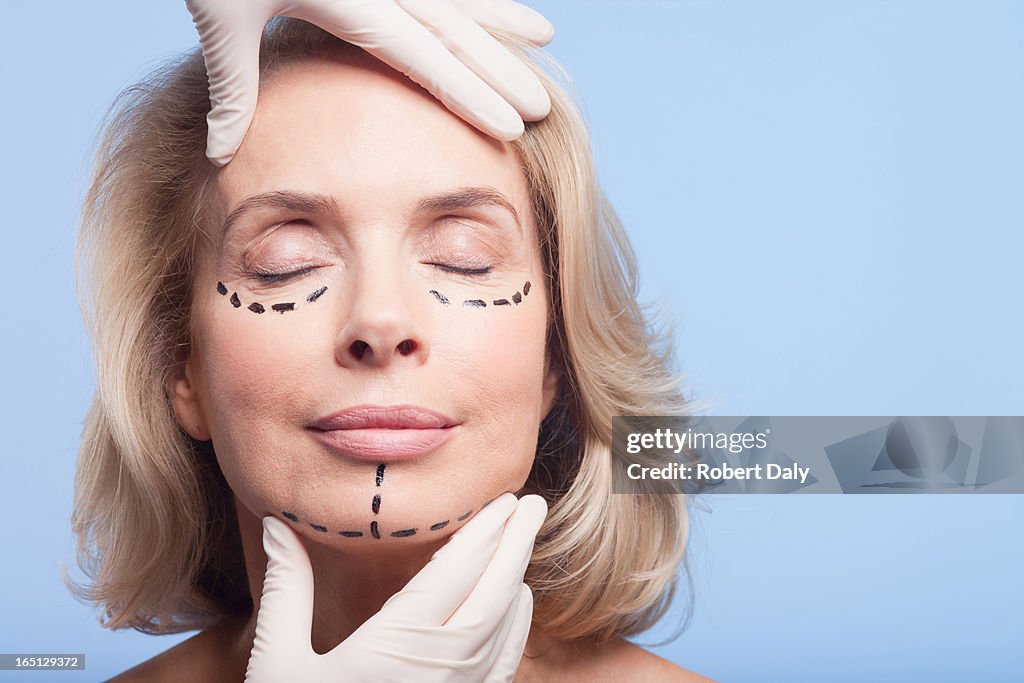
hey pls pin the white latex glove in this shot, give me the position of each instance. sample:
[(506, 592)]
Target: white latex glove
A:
[(440, 44), (464, 617)]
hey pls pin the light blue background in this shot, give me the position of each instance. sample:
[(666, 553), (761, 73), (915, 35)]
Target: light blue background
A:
[(828, 195)]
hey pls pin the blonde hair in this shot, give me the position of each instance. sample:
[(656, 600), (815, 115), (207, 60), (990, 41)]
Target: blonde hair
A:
[(153, 517)]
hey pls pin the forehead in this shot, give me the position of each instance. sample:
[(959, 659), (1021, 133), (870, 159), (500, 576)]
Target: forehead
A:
[(352, 128)]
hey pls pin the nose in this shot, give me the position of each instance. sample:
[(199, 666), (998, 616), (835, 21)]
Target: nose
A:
[(363, 351), (381, 329)]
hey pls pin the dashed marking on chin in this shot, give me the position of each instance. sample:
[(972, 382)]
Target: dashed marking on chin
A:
[(403, 532), (375, 531)]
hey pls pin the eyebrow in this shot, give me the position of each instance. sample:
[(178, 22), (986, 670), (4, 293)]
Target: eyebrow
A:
[(302, 202), (467, 198)]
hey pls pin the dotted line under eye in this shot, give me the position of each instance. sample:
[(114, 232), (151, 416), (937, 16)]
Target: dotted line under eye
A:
[(284, 307), (480, 303), (257, 307)]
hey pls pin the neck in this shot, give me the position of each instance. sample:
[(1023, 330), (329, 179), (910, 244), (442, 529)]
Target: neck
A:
[(349, 589)]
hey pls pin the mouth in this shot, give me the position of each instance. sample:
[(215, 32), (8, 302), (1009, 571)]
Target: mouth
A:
[(383, 433)]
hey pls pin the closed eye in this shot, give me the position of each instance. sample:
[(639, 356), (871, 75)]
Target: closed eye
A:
[(271, 278), (462, 271)]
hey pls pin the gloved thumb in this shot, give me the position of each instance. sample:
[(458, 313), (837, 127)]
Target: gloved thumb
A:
[(286, 605)]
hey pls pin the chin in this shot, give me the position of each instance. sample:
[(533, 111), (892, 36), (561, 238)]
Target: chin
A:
[(389, 518)]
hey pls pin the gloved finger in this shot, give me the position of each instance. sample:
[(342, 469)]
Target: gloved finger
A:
[(500, 582), (510, 17), (230, 39), (513, 643), (405, 44), (488, 647), (286, 605), (489, 59), (442, 585)]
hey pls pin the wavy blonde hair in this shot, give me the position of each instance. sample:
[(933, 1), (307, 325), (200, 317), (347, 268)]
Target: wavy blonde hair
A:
[(153, 517)]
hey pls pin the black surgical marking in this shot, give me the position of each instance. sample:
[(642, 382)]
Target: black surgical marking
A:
[(516, 298), (462, 517), (321, 529), (375, 507), (288, 515), (259, 308)]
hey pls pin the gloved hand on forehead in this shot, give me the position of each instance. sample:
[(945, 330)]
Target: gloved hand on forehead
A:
[(440, 44)]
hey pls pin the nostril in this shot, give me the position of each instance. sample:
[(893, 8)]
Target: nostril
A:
[(358, 348), (407, 347)]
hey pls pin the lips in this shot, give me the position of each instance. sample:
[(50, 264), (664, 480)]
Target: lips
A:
[(384, 417), (383, 433)]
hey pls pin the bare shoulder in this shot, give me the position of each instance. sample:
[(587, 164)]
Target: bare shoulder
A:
[(616, 660), (166, 666), (634, 663), (621, 660), (201, 658)]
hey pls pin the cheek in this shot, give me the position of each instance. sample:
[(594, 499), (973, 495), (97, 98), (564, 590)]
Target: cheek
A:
[(496, 358), (496, 350), (254, 364)]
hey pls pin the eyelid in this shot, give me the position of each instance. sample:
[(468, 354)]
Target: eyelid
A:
[(276, 278), (471, 272), (306, 250), (483, 226)]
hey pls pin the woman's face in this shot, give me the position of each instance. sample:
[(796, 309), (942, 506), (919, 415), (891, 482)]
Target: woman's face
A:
[(367, 249)]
